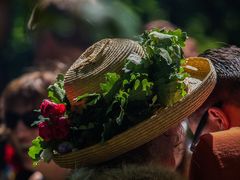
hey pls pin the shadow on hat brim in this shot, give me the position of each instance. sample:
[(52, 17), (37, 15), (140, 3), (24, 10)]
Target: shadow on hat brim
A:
[(163, 119)]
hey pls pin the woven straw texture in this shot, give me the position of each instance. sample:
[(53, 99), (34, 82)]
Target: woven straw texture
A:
[(151, 128), (107, 55)]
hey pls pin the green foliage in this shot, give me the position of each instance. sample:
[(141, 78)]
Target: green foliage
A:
[(40, 119), (155, 79), (111, 79), (164, 52), (91, 99), (126, 98), (56, 91), (36, 149)]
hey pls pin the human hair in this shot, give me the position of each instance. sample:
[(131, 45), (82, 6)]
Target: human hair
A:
[(27, 90), (126, 172), (158, 151), (226, 62)]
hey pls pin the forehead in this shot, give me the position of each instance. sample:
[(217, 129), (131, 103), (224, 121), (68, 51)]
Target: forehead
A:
[(21, 106)]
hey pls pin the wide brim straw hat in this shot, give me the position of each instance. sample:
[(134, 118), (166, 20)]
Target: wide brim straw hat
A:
[(108, 55)]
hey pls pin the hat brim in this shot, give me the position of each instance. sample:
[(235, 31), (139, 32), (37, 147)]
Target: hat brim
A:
[(163, 119)]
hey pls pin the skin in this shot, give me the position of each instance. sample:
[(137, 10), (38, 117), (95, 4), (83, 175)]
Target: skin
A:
[(22, 137), (171, 148), (49, 49), (218, 118)]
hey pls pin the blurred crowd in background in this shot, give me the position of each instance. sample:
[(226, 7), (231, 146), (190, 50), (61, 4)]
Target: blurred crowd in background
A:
[(211, 24), (49, 35)]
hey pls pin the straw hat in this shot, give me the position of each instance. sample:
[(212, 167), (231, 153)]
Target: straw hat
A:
[(108, 56)]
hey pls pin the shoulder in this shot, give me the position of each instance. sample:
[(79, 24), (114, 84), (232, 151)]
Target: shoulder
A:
[(223, 145), (204, 153), (204, 163), (217, 152), (226, 146)]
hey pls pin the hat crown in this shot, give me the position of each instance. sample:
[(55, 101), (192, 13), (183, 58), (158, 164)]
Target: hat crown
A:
[(91, 58), (107, 55)]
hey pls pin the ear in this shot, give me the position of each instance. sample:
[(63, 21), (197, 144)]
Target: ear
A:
[(218, 118)]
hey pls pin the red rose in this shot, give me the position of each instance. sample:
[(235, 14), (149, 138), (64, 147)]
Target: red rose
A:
[(52, 110), (45, 131), (61, 128)]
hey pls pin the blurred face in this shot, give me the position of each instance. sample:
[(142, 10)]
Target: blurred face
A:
[(22, 135), (19, 120), (171, 146), (48, 47)]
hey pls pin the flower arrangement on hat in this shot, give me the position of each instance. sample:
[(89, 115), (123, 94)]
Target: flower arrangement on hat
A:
[(74, 122)]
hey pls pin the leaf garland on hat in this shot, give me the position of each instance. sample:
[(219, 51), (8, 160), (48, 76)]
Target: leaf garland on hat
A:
[(124, 100)]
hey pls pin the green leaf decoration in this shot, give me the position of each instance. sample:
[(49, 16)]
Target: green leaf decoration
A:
[(91, 99), (122, 99), (36, 149), (111, 79), (86, 127), (40, 119), (145, 83), (56, 91), (37, 110), (136, 84), (164, 50)]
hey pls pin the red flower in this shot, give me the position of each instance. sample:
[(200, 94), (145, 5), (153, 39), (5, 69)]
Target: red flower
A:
[(45, 131), (52, 110), (61, 128)]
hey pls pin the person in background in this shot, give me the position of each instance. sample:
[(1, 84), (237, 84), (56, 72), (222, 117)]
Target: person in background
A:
[(62, 30), (216, 145), (127, 172), (160, 150), (19, 99), (190, 49), (5, 172)]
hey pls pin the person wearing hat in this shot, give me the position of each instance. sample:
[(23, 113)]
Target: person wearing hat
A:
[(121, 102), (19, 99), (62, 30), (127, 172), (216, 123)]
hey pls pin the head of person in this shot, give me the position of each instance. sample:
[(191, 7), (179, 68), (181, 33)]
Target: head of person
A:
[(221, 110), (19, 99), (135, 136), (166, 150), (126, 172), (63, 29)]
